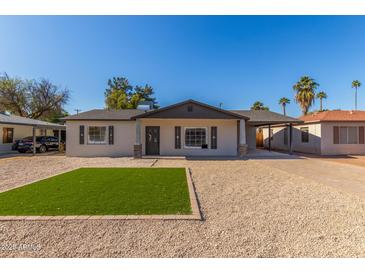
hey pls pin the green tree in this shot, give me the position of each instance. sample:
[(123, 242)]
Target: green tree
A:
[(120, 94), (305, 93), (283, 102), (356, 84), (259, 106), (145, 94), (321, 95), (32, 99), (117, 92)]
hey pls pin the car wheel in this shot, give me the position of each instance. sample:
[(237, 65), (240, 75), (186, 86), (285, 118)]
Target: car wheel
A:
[(42, 149)]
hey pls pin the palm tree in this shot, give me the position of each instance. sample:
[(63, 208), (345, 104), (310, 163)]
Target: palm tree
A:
[(321, 95), (283, 102), (306, 91), (356, 84), (259, 106)]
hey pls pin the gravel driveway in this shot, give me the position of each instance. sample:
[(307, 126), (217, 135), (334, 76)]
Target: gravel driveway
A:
[(251, 209)]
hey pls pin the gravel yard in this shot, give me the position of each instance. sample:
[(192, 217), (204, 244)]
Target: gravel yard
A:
[(251, 209)]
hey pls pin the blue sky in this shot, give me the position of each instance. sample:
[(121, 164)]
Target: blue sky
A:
[(235, 60)]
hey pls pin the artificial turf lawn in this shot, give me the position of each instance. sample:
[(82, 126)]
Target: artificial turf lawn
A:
[(102, 191)]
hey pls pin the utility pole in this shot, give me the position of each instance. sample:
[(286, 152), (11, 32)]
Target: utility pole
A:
[(77, 111)]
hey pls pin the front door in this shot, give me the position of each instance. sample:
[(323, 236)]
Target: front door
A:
[(259, 138), (152, 140)]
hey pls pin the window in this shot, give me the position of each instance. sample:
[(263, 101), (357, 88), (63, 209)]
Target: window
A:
[(348, 135), (97, 135), (195, 137), (305, 134), (8, 134)]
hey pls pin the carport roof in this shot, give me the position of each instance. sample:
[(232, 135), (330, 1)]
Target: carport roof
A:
[(18, 120), (266, 117)]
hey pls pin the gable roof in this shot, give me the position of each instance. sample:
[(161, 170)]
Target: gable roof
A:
[(199, 111), (104, 114), (335, 116), (18, 120), (266, 117)]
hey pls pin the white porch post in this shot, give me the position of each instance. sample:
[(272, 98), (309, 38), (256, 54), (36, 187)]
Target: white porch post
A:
[(242, 150), (242, 132), (137, 149)]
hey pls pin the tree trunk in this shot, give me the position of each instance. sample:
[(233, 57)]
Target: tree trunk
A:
[(320, 104), (356, 98), (284, 111)]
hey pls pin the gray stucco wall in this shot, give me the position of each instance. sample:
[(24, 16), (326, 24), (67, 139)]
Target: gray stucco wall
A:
[(227, 136), (124, 139), (125, 134)]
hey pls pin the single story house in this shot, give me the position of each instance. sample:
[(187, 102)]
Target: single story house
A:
[(333, 132), (188, 128), (15, 127)]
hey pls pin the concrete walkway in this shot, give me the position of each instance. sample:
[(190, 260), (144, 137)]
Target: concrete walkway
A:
[(344, 177)]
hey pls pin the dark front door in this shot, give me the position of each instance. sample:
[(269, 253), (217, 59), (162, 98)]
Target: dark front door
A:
[(152, 140)]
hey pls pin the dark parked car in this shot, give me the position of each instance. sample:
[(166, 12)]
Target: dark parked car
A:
[(43, 144), (15, 145)]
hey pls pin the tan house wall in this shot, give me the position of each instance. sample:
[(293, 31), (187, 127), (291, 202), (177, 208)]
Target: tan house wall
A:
[(227, 136), (124, 139), (329, 148), (20, 131)]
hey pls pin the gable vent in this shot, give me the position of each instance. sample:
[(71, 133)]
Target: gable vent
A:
[(190, 108)]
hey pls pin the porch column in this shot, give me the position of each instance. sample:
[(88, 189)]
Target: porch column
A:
[(137, 148), (242, 150), (34, 141)]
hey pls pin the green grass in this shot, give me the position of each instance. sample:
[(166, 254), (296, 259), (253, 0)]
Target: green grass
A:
[(102, 191)]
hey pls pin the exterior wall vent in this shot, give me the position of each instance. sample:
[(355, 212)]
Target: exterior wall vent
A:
[(190, 108)]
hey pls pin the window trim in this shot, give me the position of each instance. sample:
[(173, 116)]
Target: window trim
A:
[(105, 142), (347, 135), (206, 137)]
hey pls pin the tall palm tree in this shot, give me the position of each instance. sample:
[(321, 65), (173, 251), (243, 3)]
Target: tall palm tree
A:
[(356, 84), (259, 106), (321, 95), (306, 91), (283, 102)]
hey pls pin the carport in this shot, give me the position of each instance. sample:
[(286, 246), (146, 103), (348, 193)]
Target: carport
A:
[(266, 118), (9, 119)]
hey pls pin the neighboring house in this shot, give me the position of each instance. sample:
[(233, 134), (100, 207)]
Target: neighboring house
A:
[(189, 128), (15, 127), (332, 132)]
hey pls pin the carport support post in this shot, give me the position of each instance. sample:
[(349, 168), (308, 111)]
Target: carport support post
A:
[(59, 140), (269, 137), (137, 148), (290, 138), (34, 141)]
